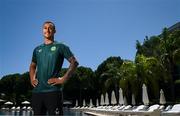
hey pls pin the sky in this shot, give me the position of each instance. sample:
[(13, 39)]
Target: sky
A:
[(93, 29)]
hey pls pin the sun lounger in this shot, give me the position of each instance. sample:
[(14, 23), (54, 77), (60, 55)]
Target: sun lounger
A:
[(121, 107), (168, 108), (153, 107), (161, 107), (141, 107), (128, 107), (13, 108), (175, 108), (174, 111), (18, 108)]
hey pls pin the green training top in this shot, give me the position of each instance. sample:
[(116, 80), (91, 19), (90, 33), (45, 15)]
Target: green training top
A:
[(49, 59)]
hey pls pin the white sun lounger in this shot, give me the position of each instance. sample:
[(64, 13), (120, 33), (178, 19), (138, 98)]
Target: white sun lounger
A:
[(174, 111)]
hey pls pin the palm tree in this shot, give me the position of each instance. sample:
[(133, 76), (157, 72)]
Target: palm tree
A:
[(85, 76), (151, 72), (108, 75), (170, 46), (128, 79)]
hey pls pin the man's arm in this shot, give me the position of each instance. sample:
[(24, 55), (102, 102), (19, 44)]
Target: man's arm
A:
[(32, 73), (73, 65), (71, 69)]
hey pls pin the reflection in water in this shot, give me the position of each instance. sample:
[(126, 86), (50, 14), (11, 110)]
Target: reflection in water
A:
[(67, 112), (16, 112)]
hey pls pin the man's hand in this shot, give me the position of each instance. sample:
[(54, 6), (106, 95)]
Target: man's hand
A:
[(34, 82), (55, 81), (67, 75)]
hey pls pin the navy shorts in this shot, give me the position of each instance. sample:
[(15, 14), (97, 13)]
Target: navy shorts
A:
[(47, 103)]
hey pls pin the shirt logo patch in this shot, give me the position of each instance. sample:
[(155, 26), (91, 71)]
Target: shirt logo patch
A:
[(53, 48), (40, 50)]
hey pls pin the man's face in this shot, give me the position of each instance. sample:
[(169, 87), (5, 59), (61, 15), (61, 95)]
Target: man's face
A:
[(48, 30)]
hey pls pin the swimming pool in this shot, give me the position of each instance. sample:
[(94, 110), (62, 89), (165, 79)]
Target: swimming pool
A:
[(67, 112)]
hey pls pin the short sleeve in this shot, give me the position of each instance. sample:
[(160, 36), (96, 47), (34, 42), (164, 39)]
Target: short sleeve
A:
[(67, 52), (34, 56)]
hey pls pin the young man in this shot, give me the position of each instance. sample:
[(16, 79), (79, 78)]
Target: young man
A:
[(45, 75)]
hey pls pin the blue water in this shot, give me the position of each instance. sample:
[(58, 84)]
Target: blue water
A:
[(67, 112)]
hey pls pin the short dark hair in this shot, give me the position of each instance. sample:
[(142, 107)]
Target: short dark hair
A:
[(50, 23)]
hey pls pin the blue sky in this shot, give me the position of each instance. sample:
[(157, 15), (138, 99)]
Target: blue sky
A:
[(93, 29)]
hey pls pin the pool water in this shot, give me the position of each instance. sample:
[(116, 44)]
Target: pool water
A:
[(67, 112)]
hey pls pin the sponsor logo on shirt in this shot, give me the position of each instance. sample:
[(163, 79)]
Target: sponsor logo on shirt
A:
[(53, 48)]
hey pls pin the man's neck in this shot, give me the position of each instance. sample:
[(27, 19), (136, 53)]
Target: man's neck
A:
[(48, 41)]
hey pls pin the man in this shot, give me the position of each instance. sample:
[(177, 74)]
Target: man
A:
[(45, 75)]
